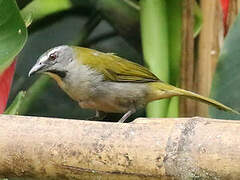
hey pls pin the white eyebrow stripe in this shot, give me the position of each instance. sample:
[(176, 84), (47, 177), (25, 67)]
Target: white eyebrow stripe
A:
[(51, 52), (56, 49)]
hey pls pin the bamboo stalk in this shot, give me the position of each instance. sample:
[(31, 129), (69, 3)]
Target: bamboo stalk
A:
[(208, 51), (187, 106), (50, 148)]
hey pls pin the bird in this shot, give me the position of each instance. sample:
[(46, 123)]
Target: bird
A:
[(107, 83)]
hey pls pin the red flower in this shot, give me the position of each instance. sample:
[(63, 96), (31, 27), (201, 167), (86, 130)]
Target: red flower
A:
[(225, 4), (5, 85)]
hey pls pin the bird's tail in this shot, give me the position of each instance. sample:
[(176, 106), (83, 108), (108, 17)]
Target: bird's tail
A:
[(166, 90)]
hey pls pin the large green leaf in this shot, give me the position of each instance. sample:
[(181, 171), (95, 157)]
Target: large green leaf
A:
[(226, 83), (13, 33)]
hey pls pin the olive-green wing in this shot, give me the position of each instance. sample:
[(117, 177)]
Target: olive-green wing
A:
[(113, 67)]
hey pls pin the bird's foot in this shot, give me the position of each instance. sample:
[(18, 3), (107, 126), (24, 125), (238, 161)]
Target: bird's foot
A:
[(126, 115), (98, 117)]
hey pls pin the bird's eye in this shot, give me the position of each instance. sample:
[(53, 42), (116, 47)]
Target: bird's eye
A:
[(53, 56)]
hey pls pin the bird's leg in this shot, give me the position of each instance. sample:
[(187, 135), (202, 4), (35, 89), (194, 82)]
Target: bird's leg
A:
[(100, 115), (126, 115)]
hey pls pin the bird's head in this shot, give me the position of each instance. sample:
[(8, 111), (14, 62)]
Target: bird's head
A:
[(54, 61)]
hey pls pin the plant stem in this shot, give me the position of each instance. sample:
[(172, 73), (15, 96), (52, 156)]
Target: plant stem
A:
[(174, 10), (208, 50), (154, 34), (102, 37), (187, 106), (94, 20), (123, 17)]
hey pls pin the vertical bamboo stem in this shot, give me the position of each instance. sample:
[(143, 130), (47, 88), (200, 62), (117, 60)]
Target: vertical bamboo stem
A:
[(187, 63), (208, 51)]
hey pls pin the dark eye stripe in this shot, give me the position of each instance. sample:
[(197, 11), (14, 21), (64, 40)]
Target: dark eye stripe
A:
[(61, 74)]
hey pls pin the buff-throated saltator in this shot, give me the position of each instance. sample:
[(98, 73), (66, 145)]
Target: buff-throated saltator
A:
[(108, 83)]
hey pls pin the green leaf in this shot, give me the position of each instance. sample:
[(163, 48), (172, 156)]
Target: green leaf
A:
[(13, 33), (226, 86), (16, 104), (33, 93), (38, 9), (27, 19)]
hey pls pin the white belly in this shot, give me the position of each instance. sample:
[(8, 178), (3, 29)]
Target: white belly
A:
[(89, 88)]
